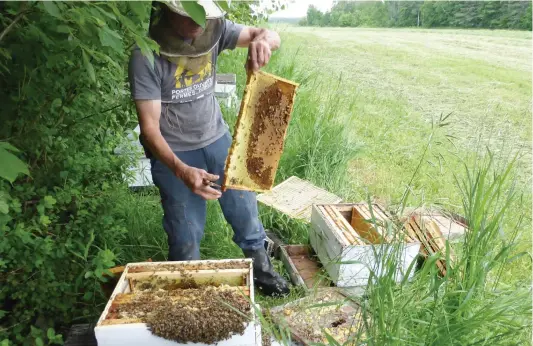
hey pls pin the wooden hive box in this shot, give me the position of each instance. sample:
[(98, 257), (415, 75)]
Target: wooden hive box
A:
[(350, 254), (228, 274), (302, 266), (259, 133)]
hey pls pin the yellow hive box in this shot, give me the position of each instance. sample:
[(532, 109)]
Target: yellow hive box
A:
[(259, 133)]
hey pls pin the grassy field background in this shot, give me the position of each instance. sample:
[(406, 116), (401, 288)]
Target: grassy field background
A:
[(395, 115), (394, 84)]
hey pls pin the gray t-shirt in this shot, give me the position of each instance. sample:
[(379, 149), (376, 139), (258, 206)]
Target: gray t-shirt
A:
[(190, 115)]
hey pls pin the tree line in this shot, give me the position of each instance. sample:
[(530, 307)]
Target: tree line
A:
[(429, 14)]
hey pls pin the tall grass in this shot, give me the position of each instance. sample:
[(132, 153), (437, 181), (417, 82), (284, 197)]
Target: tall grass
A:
[(467, 306)]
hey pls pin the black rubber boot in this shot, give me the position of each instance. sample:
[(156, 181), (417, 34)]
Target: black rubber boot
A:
[(266, 279)]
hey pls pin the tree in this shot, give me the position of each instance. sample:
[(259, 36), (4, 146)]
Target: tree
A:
[(461, 14), (314, 16)]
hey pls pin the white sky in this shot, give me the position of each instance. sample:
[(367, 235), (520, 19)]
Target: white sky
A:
[(298, 8)]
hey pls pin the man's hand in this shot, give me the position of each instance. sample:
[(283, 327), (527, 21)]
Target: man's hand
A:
[(195, 179), (258, 54), (260, 43)]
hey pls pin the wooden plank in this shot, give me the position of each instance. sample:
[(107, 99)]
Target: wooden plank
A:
[(374, 221), (141, 267), (340, 226), (326, 215), (347, 226), (323, 228), (365, 230), (410, 232), (295, 197), (297, 250), (116, 321), (429, 247), (434, 231), (192, 273), (381, 211), (307, 268), (291, 268), (437, 235)]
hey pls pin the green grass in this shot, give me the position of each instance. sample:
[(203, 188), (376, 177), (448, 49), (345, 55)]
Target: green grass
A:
[(366, 125)]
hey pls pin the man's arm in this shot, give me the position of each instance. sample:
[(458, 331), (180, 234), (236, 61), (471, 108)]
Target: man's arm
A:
[(260, 42), (149, 112)]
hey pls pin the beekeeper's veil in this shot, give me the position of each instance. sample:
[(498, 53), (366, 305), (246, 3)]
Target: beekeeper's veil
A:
[(192, 52)]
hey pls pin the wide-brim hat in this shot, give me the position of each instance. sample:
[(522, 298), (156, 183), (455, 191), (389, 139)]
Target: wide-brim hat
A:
[(172, 45), (212, 10)]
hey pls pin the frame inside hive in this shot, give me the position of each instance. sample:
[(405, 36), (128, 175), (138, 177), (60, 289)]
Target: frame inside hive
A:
[(228, 274), (259, 133)]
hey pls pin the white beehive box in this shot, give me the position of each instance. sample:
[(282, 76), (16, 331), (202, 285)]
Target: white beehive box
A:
[(110, 331), (350, 265)]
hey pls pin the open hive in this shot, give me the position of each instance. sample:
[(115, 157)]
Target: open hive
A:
[(352, 240), (324, 311), (170, 303), (259, 133), (302, 266)]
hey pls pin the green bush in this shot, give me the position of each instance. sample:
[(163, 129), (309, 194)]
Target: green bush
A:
[(65, 105)]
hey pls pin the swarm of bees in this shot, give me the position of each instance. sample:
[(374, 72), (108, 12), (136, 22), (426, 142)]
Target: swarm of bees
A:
[(200, 314)]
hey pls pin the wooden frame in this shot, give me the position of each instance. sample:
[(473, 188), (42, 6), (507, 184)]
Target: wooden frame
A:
[(252, 163), (295, 197), (432, 240)]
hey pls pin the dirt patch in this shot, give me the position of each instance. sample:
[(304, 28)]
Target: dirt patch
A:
[(272, 114), (205, 314)]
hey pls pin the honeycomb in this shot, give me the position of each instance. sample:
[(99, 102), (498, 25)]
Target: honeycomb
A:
[(260, 132)]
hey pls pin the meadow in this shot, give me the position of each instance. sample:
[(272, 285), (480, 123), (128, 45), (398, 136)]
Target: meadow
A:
[(407, 118)]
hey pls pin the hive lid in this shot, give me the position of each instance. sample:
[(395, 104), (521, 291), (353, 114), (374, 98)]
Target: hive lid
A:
[(259, 133), (295, 197)]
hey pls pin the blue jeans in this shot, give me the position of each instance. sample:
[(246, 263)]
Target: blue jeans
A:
[(185, 211)]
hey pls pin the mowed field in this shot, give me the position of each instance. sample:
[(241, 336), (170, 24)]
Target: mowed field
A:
[(395, 84), (402, 80)]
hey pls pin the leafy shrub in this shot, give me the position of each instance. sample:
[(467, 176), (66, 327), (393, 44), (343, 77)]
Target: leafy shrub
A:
[(65, 105)]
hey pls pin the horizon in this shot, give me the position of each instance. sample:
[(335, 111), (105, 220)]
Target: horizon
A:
[(298, 8)]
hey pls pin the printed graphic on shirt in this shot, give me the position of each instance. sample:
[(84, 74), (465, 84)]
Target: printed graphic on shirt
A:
[(194, 78)]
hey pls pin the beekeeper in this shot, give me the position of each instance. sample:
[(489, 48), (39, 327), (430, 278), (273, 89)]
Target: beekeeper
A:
[(185, 136)]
